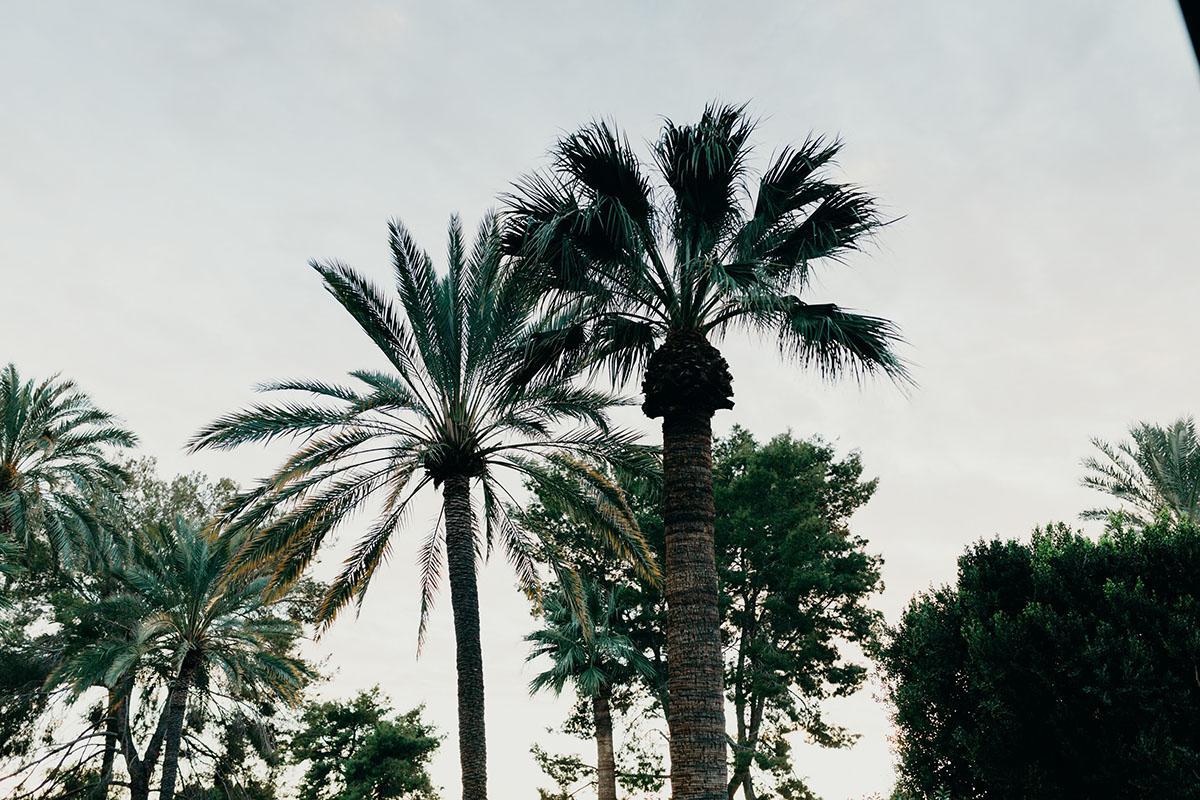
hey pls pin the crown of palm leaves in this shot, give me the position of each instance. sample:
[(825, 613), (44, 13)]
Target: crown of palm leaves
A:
[(453, 402), (630, 259), (54, 456)]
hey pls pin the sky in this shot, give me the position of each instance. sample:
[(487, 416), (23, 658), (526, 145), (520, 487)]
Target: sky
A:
[(169, 168)]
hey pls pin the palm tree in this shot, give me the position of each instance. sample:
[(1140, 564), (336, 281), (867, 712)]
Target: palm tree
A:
[(595, 656), (450, 413), (1156, 473), (52, 458), (646, 277), (182, 619)]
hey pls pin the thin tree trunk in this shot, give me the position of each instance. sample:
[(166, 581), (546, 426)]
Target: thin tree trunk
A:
[(139, 769), (695, 672), (173, 735), (606, 760), (464, 598), (111, 733)]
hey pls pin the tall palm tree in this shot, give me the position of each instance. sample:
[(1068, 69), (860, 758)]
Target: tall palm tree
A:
[(53, 444), (182, 619), (646, 277), (1157, 472), (450, 413), (594, 655)]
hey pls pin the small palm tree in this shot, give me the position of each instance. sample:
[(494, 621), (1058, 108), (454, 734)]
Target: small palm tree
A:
[(593, 655), (645, 278), (182, 619), (1156, 473), (53, 443), (453, 411)]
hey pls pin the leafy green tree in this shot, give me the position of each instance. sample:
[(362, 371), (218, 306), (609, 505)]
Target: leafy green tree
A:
[(184, 624), (449, 414), (796, 585), (54, 455), (644, 278), (1156, 473), (361, 750), (593, 654), (1062, 667)]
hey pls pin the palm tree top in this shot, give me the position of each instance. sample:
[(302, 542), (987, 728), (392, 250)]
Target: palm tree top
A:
[(55, 449), (1155, 472), (175, 601), (590, 651), (453, 404), (695, 250)]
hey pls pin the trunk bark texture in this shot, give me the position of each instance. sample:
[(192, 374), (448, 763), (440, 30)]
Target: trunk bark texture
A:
[(173, 733), (606, 760), (695, 671), (464, 598)]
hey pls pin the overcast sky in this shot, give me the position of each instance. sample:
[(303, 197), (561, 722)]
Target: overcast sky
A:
[(169, 168)]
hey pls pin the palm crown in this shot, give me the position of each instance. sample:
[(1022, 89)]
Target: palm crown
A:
[(633, 263), (453, 405), (174, 602), (589, 653), (1157, 472), (53, 443)]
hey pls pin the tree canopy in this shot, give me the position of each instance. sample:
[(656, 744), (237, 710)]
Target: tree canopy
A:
[(360, 749), (1059, 667)]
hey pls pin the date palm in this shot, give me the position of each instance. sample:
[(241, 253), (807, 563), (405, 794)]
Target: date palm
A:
[(180, 619), (1156, 472), (646, 275), (54, 447), (449, 414), (595, 656)]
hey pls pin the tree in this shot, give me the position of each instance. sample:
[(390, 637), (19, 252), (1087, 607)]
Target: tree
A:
[(593, 654), (185, 625), (1156, 473), (644, 279), (1062, 667), (795, 589), (53, 456), (96, 605), (452, 411), (361, 750)]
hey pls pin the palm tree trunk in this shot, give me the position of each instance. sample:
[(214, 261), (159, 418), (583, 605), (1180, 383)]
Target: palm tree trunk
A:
[(606, 761), (111, 734), (695, 672), (173, 737), (464, 599)]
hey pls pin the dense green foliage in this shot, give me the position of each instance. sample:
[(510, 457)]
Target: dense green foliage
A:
[(796, 584), (146, 604), (1059, 668), (360, 749)]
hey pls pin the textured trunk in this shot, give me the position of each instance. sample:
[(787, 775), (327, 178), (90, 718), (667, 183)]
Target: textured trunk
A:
[(173, 732), (695, 668), (112, 733), (464, 598), (606, 760)]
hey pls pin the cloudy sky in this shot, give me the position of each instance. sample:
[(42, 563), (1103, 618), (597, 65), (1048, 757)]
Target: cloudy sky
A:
[(169, 168)]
